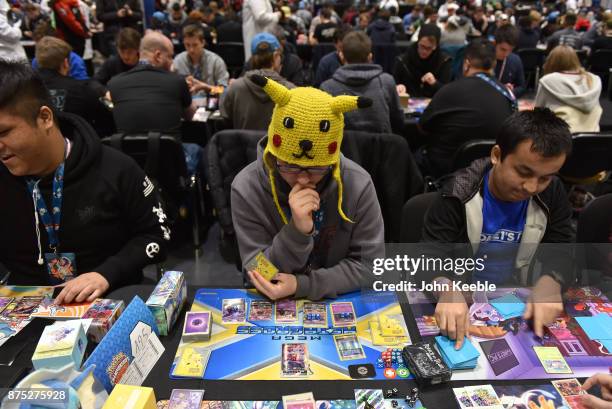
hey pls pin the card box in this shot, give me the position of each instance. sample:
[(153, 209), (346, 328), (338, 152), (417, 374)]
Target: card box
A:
[(167, 300), (60, 344)]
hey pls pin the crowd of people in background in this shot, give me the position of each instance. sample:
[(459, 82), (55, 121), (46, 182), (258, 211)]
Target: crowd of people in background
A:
[(92, 54)]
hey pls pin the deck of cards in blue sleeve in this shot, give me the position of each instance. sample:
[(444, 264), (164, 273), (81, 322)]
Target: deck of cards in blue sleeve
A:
[(464, 358)]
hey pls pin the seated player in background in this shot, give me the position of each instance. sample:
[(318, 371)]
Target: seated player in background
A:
[(509, 68), (76, 213), (604, 381), (128, 43), (312, 212), (504, 206)]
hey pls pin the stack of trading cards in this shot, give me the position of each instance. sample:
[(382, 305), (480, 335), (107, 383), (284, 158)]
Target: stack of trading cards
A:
[(315, 314), (343, 314), (465, 358), (301, 401), (426, 363), (369, 398), (263, 266), (478, 396), (198, 326), (260, 310), (348, 347), (185, 399), (294, 360), (233, 311), (286, 312)]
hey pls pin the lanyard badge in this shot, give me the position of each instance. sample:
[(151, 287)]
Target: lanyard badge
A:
[(60, 266)]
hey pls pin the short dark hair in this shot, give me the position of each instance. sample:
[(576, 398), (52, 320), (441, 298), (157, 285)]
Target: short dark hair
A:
[(507, 34), (128, 39), (326, 13), (22, 91), (570, 20), (263, 57), (341, 32), (481, 54), (524, 22), (356, 47), (193, 30), (550, 135)]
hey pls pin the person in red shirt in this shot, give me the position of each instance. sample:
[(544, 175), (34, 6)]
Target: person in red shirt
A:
[(70, 24)]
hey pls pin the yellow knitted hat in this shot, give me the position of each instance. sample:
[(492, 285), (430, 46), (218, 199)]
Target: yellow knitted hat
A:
[(306, 130)]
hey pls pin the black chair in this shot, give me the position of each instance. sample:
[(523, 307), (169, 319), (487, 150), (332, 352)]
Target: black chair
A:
[(593, 234), (413, 216), (600, 63), (470, 151), (319, 51), (533, 60), (591, 154), (228, 152), (233, 55), (163, 161), (396, 177)]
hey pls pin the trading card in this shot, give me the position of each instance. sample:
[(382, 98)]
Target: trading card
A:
[(294, 360), (484, 396), (4, 301), (373, 397), (574, 402), (343, 314), (262, 265), (568, 387), (348, 347), (197, 325), (192, 362), (286, 311), (300, 401), (185, 399), (24, 307), (463, 398), (315, 314), (233, 310), (260, 310), (552, 360)]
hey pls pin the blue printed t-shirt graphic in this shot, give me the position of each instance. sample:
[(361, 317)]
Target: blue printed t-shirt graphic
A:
[(502, 229)]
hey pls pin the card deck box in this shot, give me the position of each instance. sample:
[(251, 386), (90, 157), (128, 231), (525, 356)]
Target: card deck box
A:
[(132, 397), (104, 313), (167, 300), (60, 344), (425, 362)]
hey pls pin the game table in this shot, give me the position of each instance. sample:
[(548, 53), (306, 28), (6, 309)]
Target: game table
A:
[(440, 396)]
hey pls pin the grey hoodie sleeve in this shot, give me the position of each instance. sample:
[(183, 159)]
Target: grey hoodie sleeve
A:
[(354, 271)]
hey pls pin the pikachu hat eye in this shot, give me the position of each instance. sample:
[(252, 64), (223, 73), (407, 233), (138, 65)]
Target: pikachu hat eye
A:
[(324, 125), (288, 122)]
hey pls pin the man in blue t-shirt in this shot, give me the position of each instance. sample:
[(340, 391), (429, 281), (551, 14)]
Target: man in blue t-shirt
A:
[(504, 206)]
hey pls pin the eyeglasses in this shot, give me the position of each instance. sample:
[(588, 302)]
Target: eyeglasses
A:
[(295, 169)]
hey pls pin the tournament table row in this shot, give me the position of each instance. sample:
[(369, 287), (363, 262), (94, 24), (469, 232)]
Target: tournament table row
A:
[(439, 396)]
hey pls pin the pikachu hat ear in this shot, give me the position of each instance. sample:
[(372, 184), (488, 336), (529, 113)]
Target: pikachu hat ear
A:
[(345, 103), (277, 92)]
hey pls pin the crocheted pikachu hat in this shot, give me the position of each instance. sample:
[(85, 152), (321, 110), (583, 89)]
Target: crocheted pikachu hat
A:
[(306, 130)]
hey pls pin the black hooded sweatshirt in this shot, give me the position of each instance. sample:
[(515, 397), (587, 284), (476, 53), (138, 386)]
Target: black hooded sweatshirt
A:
[(109, 215)]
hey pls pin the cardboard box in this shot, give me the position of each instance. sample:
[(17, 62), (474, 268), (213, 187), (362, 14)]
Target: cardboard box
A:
[(167, 300), (60, 344), (104, 313), (131, 397)]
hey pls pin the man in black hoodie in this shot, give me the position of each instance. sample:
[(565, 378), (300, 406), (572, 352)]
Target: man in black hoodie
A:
[(76, 213)]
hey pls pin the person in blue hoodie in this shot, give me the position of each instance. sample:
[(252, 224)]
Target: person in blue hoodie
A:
[(509, 68)]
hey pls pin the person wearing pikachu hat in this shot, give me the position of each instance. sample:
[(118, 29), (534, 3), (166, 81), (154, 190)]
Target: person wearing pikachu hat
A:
[(312, 212)]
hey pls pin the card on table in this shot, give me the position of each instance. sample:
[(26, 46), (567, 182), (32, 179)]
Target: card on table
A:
[(343, 314), (260, 310), (315, 314), (373, 397), (484, 396), (464, 358), (294, 360), (185, 399), (571, 391), (262, 265), (4, 301), (299, 401), (552, 360), (197, 326), (47, 309), (233, 310), (499, 354), (348, 347), (286, 311), (463, 398), (23, 307), (192, 362)]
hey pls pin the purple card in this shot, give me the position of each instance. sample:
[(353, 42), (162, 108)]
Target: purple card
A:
[(197, 322), (185, 399), (499, 354)]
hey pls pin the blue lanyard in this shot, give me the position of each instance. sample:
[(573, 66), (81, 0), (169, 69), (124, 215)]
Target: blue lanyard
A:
[(51, 220), (510, 96)]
